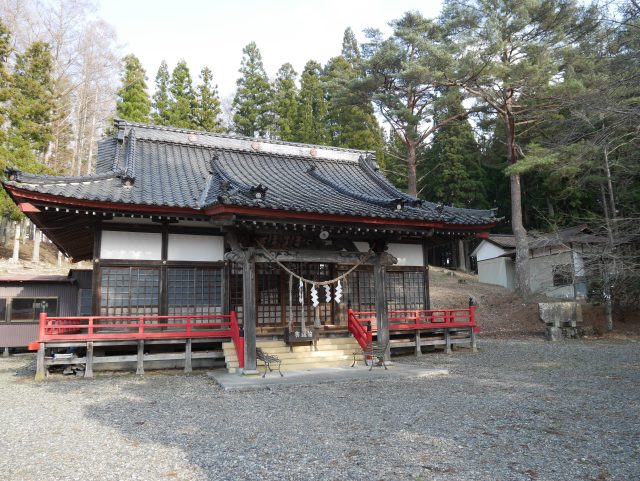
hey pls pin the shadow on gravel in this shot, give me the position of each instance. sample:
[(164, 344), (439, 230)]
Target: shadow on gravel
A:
[(503, 413)]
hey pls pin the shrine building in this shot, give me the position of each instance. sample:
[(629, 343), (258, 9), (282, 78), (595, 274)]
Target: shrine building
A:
[(197, 237)]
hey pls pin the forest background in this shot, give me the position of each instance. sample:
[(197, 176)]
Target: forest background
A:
[(532, 108)]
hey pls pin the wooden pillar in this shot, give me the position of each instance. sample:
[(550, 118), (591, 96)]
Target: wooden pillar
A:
[(249, 312), (447, 341), (88, 368), (474, 345), (40, 370), (418, 344), (382, 319), (140, 363), (5, 352), (462, 257), (187, 356)]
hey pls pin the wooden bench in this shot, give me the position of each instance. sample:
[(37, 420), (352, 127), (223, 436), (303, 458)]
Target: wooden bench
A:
[(268, 360), (374, 351)]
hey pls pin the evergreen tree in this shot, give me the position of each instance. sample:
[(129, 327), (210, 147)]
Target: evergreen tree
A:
[(31, 101), (285, 103), (5, 84), (31, 106), (208, 110), (133, 101), (161, 97), (350, 48), (451, 172), (183, 99), (508, 51), (312, 107), (252, 102), (350, 120), (404, 74), (6, 205)]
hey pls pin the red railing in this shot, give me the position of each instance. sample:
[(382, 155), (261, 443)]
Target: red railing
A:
[(95, 328), (415, 319), (361, 330)]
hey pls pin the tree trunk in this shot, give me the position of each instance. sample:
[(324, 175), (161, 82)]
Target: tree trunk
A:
[(523, 284), (16, 245), (412, 176), (35, 257)]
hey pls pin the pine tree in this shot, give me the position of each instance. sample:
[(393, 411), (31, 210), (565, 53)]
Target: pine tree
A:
[(285, 103), (312, 107), (161, 97), (508, 52), (133, 101), (451, 172), (253, 98), (183, 99), (208, 110)]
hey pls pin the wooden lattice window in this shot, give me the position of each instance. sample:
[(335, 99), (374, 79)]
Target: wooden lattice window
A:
[(268, 294), (358, 290), (235, 290), (194, 290), (406, 290), (128, 291)]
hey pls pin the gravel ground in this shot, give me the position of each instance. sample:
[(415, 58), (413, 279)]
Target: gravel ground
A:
[(516, 410)]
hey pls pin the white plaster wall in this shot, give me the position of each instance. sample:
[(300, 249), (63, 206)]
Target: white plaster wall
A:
[(195, 248), (487, 250), (407, 254), (498, 271), (542, 275), (143, 246)]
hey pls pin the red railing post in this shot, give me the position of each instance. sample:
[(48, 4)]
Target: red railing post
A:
[(238, 340), (141, 326), (90, 327), (43, 323)]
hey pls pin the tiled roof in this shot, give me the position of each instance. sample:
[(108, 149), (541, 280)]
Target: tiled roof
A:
[(162, 166)]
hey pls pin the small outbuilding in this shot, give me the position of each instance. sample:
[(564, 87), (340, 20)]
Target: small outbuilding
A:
[(556, 261), (24, 297)]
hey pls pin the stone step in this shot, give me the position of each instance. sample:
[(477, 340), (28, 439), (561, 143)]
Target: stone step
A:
[(302, 356), (306, 361), (304, 366)]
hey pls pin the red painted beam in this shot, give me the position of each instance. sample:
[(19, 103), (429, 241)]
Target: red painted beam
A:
[(27, 207)]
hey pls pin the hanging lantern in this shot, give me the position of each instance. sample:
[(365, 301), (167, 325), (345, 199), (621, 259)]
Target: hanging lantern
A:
[(327, 292), (338, 294), (314, 296)]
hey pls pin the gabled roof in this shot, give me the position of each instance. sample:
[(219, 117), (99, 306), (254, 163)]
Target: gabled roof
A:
[(569, 235), (148, 165)]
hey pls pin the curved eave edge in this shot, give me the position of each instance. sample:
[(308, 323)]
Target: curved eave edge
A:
[(19, 195)]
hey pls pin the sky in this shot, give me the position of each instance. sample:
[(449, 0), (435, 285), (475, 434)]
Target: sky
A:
[(213, 33)]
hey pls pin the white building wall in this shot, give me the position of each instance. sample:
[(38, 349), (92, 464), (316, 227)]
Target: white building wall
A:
[(407, 254), (142, 246), (542, 275), (195, 248), (498, 271), (487, 250)]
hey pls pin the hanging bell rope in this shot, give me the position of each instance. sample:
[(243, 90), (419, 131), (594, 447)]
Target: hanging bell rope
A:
[(272, 258)]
